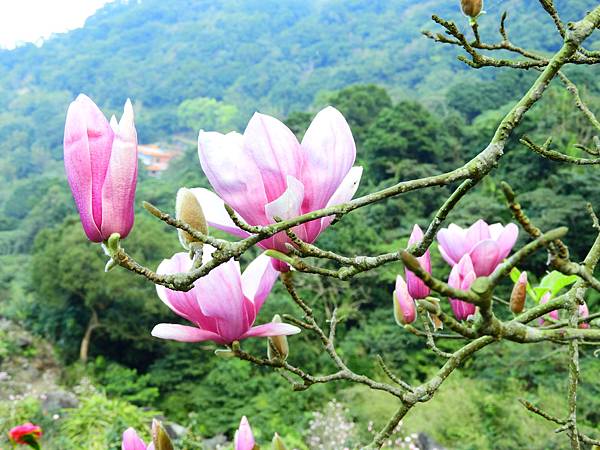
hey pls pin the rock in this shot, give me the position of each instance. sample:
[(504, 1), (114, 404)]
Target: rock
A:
[(214, 442), (175, 431), (53, 402), (426, 442)]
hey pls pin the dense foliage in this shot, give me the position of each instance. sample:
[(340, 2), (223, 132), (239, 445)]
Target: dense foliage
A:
[(414, 111)]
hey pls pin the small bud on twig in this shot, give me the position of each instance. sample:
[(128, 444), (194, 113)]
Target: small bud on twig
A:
[(278, 443), (279, 343), (519, 293), (471, 8), (160, 438), (188, 210)]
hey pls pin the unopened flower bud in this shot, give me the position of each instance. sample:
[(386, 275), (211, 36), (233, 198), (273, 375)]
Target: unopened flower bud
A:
[(188, 210), (405, 311), (519, 292), (583, 313), (279, 343), (160, 438), (278, 443), (416, 287), (471, 8)]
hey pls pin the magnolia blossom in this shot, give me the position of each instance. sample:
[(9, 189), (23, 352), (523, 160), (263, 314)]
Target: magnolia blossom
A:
[(462, 277), (244, 439), (222, 305), (266, 174), (131, 441), (552, 314), (416, 287), (486, 245), (101, 166), (404, 304), (25, 434)]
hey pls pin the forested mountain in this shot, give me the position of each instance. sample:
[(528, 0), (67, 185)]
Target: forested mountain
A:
[(414, 109)]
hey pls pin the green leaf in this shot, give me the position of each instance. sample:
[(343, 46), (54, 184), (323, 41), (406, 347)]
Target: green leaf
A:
[(555, 282)]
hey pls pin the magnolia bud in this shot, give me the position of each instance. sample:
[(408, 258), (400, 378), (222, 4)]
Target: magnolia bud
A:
[(471, 8), (519, 292), (405, 311), (188, 210), (278, 443), (279, 343), (160, 438)]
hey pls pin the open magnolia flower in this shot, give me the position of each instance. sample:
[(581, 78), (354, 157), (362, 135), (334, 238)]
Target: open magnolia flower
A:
[(486, 245), (222, 305), (266, 173)]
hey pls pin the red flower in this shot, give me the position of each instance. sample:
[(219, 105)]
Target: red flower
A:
[(26, 434)]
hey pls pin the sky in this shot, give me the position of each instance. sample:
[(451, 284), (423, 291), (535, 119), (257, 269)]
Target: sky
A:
[(34, 20)]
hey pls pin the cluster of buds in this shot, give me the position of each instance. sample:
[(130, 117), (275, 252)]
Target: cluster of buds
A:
[(472, 252)]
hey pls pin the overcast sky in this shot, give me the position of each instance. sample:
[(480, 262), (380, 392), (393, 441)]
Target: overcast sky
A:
[(33, 20)]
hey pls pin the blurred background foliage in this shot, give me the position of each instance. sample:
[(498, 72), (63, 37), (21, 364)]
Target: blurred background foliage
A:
[(414, 111)]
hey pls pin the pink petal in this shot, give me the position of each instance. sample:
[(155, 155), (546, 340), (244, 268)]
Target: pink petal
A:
[(453, 242), (244, 439), (184, 304), (416, 287), (286, 207), (118, 191), (506, 240), (183, 333), (87, 147), (220, 296), (214, 212), (485, 257), (462, 310), (233, 174), (329, 151), (131, 441), (258, 280), (343, 194), (479, 231), (275, 151), (271, 329)]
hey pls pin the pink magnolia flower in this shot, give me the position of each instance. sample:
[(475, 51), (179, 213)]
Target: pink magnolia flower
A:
[(584, 312), (404, 305), (131, 441), (487, 245), (416, 287), (266, 173), (244, 439), (26, 434), (552, 314), (462, 277), (222, 305), (101, 167)]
